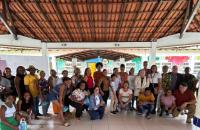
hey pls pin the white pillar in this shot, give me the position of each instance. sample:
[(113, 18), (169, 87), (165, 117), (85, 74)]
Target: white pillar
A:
[(152, 56), (45, 58)]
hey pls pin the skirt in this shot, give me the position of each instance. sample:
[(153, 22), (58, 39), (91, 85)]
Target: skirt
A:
[(10, 120)]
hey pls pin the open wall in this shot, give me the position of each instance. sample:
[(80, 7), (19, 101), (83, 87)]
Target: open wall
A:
[(13, 61)]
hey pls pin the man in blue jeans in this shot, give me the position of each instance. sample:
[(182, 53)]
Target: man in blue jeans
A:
[(31, 83), (146, 102)]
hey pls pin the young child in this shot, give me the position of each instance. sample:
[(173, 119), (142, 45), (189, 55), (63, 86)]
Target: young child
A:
[(24, 106), (7, 112), (114, 100), (146, 102), (167, 103)]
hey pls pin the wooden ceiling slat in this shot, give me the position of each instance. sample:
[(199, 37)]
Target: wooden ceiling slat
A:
[(134, 20), (156, 7), (151, 37), (32, 17), (62, 19), (46, 18)]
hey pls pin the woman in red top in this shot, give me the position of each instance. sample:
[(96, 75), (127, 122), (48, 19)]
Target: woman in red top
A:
[(88, 78)]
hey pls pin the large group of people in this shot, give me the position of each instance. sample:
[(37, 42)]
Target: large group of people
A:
[(149, 92)]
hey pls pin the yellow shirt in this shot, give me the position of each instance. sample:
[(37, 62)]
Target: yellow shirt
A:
[(146, 98), (32, 82)]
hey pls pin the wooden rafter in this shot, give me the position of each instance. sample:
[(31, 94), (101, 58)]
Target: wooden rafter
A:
[(197, 22), (5, 17), (105, 20), (151, 37), (62, 19), (187, 13), (91, 20), (73, 3), (156, 7), (120, 21), (134, 21), (46, 18), (32, 18), (30, 30), (192, 15), (179, 19)]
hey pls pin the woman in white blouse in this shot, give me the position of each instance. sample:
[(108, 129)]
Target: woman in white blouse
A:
[(155, 83), (141, 82)]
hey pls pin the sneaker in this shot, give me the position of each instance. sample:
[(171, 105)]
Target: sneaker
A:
[(188, 121), (139, 113), (36, 118), (113, 112), (160, 114), (66, 124), (148, 117), (39, 114)]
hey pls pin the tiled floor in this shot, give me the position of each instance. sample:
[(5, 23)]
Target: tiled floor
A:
[(122, 121)]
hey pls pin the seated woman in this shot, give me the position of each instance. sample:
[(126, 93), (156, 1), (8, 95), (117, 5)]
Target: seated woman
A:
[(146, 102), (7, 111), (77, 99), (125, 96), (24, 106), (57, 95), (96, 107), (167, 103)]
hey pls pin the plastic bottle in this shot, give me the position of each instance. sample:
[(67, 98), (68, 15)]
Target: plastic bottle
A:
[(23, 124)]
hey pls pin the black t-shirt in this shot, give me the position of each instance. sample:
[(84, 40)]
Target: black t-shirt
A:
[(12, 82)]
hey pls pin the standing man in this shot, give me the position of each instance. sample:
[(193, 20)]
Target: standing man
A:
[(98, 74), (123, 74), (31, 83), (175, 79), (145, 65), (190, 80), (4, 86)]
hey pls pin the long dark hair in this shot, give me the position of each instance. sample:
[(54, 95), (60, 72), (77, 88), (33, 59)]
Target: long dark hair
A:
[(81, 82), (24, 100)]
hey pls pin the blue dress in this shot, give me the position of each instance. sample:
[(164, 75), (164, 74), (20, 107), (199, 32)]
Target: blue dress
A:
[(54, 93)]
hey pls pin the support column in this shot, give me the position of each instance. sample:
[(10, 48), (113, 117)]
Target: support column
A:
[(45, 59), (152, 56), (196, 119), (74, 62)]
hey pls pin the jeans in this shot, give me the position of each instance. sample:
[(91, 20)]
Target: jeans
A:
[(45, 105), (148, 107), (36, 105), (96, 114)]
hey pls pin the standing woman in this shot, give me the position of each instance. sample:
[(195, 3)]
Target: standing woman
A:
[(104, 84), (57, 95), (19, 81), (52, 81), (98, 74), (131, 78), (141, 82), (88, 78), (155, 84)]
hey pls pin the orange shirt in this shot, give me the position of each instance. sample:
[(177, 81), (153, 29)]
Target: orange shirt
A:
[(97, 76)]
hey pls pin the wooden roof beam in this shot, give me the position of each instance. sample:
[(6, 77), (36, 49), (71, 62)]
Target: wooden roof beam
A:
[(120, 21), (4, 19), (45, 17), (156, 7), (91, 21), (33, 18), (76, 18), (189, 20), (62, 19), (151, 37), (25, 25), (134, 21)]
